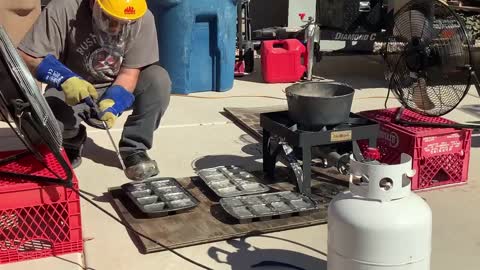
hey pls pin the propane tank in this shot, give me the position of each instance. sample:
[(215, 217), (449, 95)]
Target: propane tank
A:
[(379, 223)]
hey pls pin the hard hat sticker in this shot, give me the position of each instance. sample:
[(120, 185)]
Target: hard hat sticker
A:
[(129, 11)]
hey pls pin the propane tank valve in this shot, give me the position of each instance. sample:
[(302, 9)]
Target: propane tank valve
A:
[(372, 153)]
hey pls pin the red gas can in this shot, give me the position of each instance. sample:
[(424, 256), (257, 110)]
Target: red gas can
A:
[(283, 61)]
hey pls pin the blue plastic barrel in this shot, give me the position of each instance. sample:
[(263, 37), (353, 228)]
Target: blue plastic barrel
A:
[(197, 40)]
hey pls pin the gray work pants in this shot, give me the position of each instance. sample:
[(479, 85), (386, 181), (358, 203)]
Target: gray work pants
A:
[(152, 97)]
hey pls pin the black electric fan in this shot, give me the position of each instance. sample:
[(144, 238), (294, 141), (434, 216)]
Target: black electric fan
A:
[(24, 108), (428, 59)]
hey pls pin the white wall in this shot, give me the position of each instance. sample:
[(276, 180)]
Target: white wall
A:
[(300, 6)]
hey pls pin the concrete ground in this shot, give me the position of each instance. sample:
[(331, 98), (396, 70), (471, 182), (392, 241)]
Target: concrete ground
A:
[(195, 134)]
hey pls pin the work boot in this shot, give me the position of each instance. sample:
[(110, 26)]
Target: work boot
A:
[(74, 146), (139, 166)]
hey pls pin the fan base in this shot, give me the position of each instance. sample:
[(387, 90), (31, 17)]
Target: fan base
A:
[(399, 120)]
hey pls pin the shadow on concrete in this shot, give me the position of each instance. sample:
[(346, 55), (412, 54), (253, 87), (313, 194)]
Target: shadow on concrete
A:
[(360, 72), (98, 154), (253, 149), (6, 132), (74, 263), (473, 110), (104, 198), (108, 197), (256, 75), (252, 162), (9, 140), (249, 257), (205, 162)]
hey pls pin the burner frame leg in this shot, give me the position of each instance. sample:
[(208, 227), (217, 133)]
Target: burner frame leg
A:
[(307, 170), (269, 159)]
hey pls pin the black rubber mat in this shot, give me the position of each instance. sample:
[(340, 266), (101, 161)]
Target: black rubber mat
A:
[(209, 222), (249, 118), (204, 224)]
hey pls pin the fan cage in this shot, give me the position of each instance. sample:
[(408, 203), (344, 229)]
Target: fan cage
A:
[(428, 58), (33, 121), (41, 112)]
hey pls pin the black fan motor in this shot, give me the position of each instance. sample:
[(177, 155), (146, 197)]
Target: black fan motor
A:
[(419, 56)]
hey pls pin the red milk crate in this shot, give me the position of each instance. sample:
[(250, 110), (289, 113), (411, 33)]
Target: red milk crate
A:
[(441, 156), (37, 220)]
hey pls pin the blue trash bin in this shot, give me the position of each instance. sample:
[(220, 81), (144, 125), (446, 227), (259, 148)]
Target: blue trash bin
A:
[(196, 40)]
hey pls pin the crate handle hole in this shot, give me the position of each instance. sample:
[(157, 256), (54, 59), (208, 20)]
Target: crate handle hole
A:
[(441, 176), (35, 245), (278, 45)]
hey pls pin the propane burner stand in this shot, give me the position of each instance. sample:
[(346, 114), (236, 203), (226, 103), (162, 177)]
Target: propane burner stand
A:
[(281, 134)]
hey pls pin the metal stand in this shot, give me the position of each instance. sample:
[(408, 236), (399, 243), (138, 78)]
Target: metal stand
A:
[(312, 34), (279, 136), (476, 82), (245, 60)]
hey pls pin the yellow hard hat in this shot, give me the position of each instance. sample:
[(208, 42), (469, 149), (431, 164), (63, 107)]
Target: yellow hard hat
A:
[(124, 9)]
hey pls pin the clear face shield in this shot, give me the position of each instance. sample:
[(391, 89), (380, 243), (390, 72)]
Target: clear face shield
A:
[(114, 35)]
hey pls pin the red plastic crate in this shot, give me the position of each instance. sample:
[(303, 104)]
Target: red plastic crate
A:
[(441, 156), (37, 220)]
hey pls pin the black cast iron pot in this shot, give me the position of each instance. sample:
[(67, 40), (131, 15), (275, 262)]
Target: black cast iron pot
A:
[(313, 105)]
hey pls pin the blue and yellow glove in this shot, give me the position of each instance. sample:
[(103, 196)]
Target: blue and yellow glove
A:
[(113, 103), (54, 73)]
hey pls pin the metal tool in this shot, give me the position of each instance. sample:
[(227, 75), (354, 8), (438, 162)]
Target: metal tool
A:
[(310, 32), (94, 106)]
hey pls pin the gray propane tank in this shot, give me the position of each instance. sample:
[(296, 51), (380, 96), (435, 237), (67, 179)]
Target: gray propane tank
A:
[(379, 223)]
